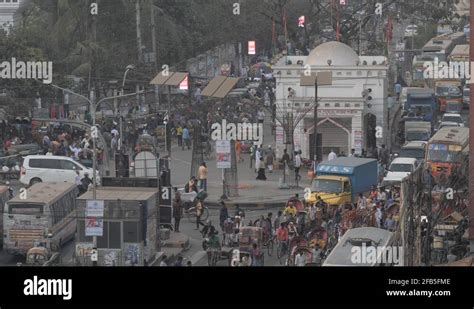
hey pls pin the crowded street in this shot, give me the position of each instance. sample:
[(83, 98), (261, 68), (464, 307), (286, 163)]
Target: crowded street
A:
[(295, 144)]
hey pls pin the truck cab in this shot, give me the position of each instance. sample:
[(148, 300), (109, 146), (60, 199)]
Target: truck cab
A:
[(340, 180), (447, 90)]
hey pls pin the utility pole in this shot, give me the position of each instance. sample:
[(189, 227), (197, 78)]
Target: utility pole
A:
[(315, 123), (471, 145), (155, 55), (139, 35)]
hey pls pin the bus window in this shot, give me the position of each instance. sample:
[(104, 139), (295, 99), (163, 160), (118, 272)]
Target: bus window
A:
[(25, 209)]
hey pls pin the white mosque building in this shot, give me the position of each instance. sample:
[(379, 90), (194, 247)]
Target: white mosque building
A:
[(347, 117)]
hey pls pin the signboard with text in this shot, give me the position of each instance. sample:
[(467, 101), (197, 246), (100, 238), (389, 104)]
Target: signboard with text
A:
[(252, 48), (223, 155), (94, 226), (95, 208)]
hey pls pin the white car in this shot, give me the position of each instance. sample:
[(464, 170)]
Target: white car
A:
[(42, 168), (447, 117), (399, 169), (411, 30)]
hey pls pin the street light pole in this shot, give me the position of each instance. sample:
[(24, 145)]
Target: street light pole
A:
[(315, 121), (127, 69)]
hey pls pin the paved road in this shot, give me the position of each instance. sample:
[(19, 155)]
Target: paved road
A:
[(198, 257)]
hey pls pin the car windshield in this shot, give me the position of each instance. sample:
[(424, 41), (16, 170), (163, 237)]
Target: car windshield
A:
[(418, 136), (412, 153), (326, 186), (452, 119), (448, 90), (399, 167)]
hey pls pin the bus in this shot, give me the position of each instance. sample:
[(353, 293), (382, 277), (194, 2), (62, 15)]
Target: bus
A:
[(445, 148), (44, 211), (365, 246), (444, 44), (460, 53)]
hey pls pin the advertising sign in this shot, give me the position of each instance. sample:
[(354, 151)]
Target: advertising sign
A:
[(223, 155)]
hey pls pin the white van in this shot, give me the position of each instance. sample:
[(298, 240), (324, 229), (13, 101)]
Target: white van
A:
[(42, 168)]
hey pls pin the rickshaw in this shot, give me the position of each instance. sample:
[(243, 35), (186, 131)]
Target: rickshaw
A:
[(318, 236), (248, 236)]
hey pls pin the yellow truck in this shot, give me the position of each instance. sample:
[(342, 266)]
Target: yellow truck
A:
[(341, 180)]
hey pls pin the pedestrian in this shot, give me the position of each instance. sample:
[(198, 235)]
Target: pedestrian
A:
[(382, 195), (203, 171), (270, 158), (285, 159), (398, 90), (179, 135), (384, 154), (78, 182), (223, 215), (261, 116), (163, 261), (361, 202), (316, 254), (189, 264), (191, 186), (86, 182), (352, 154), (238, 151), (256, 255), (428, 179), (378, 215), (277, 221), (199, 212), (300, 259), (261, 170), (253, 148), (258, 155), (177, 210), (332, 155), (186, 138), (297, 165), (239, 212)]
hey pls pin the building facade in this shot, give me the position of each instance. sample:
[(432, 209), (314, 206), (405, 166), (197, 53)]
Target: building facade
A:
[(7, 13), (352, 112)]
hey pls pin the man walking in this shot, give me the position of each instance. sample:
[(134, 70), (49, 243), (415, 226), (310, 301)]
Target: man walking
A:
[(186, 138), (203, 176), (332, 155), (270, 158), (177, 211), (297, 165)]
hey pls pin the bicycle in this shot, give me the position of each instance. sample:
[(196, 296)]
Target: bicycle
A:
[(192, 215)]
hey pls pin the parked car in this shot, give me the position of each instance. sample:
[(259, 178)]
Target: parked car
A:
[(42, 168)]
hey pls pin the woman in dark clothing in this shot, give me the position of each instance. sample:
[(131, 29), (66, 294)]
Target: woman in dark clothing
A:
[(261, 170), (177, 211)]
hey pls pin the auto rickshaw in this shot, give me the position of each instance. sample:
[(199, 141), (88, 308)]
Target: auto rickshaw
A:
[(248, 236)]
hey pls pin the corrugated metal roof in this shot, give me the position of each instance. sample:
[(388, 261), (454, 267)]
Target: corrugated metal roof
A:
[(120, 193), (45, 192)]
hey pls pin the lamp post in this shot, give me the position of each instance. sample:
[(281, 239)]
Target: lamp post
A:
[(127, 69)]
